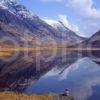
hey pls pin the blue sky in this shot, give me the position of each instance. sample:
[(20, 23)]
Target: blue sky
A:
[(82, 16)]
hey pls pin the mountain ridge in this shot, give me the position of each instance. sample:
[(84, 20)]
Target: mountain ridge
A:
[(34, 24)]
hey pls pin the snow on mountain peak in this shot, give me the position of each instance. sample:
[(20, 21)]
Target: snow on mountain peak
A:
[(53, 23), (6, 3), (15, 8), (57, 24)]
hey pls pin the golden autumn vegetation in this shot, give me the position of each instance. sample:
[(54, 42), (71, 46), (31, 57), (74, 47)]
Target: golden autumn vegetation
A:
[(18, 96)]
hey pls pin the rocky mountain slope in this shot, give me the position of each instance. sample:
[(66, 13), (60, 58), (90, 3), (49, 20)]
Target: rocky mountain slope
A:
[(91, 46), (66, 33), (18, 22), (93, 41)]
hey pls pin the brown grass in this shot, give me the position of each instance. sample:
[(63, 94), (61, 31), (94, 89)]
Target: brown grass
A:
[(17, 96), (4, 52)]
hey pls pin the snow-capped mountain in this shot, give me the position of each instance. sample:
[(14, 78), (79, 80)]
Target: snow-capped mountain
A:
[(66, 33), (15, 8), (23, 19), (57, 25)]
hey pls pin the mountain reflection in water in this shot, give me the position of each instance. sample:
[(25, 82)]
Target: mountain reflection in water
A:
[(80, 78)]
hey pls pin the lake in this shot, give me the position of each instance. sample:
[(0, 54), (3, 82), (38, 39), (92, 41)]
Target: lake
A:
[(81, 78)]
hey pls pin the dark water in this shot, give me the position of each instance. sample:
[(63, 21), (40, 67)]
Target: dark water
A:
[(82, 78)]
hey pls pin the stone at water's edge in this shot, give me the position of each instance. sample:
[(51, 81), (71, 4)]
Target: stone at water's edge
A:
[(60, 97)]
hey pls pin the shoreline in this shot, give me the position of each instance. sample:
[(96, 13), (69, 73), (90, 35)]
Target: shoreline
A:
[(18, 96)]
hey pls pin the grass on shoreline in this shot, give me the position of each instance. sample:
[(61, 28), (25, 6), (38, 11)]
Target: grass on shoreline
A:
[(6, 52), (17, 96)]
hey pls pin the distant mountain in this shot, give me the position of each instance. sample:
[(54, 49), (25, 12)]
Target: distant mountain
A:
[(66, 33), (93, 44), (93, 41)]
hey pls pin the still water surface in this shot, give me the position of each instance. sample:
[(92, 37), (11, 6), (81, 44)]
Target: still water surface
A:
[(82, 78)]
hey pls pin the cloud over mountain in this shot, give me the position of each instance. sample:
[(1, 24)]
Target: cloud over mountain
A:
[(86, 14)]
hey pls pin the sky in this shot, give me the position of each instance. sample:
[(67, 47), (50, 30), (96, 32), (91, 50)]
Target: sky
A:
[(81, 16)]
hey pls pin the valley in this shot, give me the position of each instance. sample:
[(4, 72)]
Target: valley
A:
[(39, 56)]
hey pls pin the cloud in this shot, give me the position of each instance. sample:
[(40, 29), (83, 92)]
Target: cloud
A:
[(87, 13), (85, 8)]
